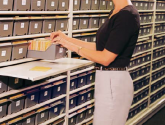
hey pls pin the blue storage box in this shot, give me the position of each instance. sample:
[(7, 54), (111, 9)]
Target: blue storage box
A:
[(45, 93), (90, 77), (29, 118), (56, 109), (82, 98), (81, 80), (72, 119), (42, 115), (15, 83), (90, 94), (81, 115), (3, 84), (89, 111), (73, 83), (58, 88), (73, 101), (32, 97), (16, 103), (3, 107)]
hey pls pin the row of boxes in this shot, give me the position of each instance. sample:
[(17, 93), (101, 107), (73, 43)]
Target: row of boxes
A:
[(158, 64), (146, 17), (143, 5), (160, 5), (139, 96), (92, 5), (157, 95), (34, 96), (89, 38), (32, 26), (157, 85), (34, 5), (39, 115), (143, 46), (137, 109), (82, 79), (81, 115), (158, 74), (159, 42), (141, 83), (145, 30), (138, 60), (160, 17), (140, 71), (158, 53), (88, 22), (159, 28), (81, 97)]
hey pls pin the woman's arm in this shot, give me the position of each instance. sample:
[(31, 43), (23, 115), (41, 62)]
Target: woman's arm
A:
[(81, 43)]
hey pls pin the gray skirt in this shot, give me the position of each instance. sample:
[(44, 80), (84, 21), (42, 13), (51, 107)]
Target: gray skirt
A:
[(113, 97)]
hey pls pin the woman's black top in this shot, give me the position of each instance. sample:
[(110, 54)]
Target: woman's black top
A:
[(119, 35)]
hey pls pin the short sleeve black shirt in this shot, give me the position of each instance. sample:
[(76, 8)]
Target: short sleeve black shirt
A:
[(119, 35)]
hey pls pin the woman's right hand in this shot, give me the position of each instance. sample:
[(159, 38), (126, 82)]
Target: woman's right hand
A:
[(59, 34)]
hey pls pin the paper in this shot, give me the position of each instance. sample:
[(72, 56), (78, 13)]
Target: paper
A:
[(36, 25), (41, 68), (86, 1), (95, 1), (5, 2), (75, 2), (55, 109), (60, 50), (45, 93), (20, 50), (22, 25), (52, 3), (3, 53), (38, 3), (28, 120), (17, 103), (23, 2), (59, 88), (42, 115), (32, 97), (49, 26), (63, 4), (6, 27), (62, 25)]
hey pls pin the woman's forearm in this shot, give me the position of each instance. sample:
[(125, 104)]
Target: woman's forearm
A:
[(88, 45)]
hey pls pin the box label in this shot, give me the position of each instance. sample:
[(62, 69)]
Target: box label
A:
[(59, 88), (22, 25), (49, 26), (45, 93), (72, 84), (136, 4), (16, 80), (0, 85), (61, 50), (146, 4), (149, 17), (103, 20), (20, 50), (17, 103), (81, 115), (28, 120), (86, 1), (5, 2), (42, 115), (52, 3), (144, 30), (141, 4), (103, 2), (85, 40), (85, 22), (75, 2), (74, 23), (95, 21), (36, 25), (82, 98), (38, 3), (91, 77), (89, 95), (144, 18), (82, 80), (72, 120), (63, 4), (110, 3), (6, 27), (3, 53), (55, 109), (95, 1), (32, 97), (90, 111), (94, 39), (0, 108), (23, 2), (62, 25), (71, 101)]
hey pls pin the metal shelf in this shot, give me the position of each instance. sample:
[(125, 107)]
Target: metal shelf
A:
[(159, 33), (81, 106), (81, 71), (146, 23), (158, 47), (53, 119), (141, 52), (157, 80), (90, 11), (32, 12), (141, 89), (26, 36), (141, 77), (159, 22), (82, 88), (158, 69), (158, 58), (85, 121), (144, 36), (160, 10), (145, 11), (157, 90), (31, 108), (139, 102), (85, 30), (135, 67)]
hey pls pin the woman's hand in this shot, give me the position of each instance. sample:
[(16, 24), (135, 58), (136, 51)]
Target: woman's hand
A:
[(58, 34)]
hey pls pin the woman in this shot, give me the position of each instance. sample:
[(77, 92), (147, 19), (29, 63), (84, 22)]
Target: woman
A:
[(112, 52)]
